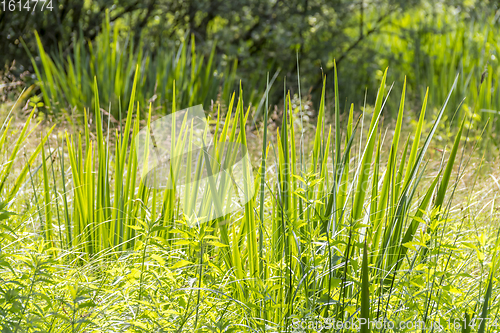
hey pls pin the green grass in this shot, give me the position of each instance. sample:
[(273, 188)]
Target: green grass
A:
[(341, 224), (431, 49), (66, 80)]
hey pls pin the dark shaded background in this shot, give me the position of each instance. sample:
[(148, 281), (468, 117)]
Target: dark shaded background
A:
[(263, 35)]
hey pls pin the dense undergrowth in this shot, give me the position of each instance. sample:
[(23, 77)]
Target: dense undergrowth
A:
[(350, 224), (429, 49), (66, 80)]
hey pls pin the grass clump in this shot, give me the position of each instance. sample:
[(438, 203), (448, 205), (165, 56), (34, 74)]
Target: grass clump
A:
[(66, 80)]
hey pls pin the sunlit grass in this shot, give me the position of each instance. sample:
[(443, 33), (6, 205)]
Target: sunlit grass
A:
[(349, 222)]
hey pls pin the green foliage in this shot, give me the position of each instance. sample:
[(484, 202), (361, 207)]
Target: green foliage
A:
[(67, 81), (58, 22), (330, 234), (432, 44)]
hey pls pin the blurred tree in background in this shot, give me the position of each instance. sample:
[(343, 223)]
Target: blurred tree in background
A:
[(262, 35), (68, 17)]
